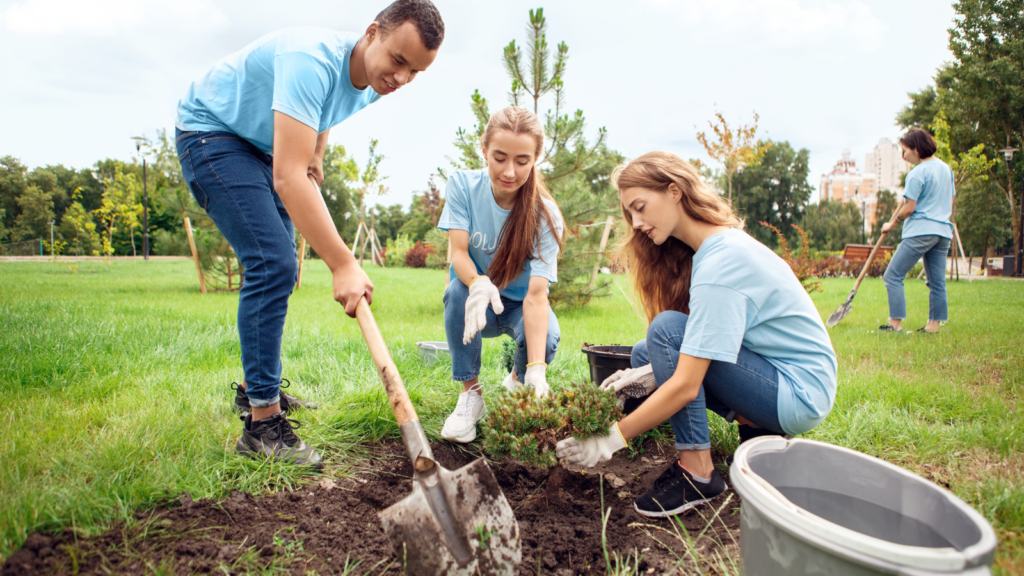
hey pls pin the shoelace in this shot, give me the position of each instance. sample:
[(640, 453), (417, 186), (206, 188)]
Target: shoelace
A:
[(286, 428), (463, 406)]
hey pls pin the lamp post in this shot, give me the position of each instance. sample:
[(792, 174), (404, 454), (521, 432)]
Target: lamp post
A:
[(1018, 258), (139, 140), (863, 220)]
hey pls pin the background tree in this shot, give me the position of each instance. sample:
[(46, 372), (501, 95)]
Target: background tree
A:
[(424, 213), (12, 186), (921, 110), (35, 207), (119, 207), (884, 208), (340, 177), (79, 228), (576, 169), (987, 89), (775, 191), (733, 147), (831, 224)]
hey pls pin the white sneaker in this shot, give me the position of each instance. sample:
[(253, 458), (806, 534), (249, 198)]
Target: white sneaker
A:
[(461, 425), (510, 383)]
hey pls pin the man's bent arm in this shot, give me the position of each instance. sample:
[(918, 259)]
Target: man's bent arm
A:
[(294, 146)]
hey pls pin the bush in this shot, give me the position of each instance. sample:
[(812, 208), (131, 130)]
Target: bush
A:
[(526, 428), (416, 257), (803, 266), (438, 240), (810, 263), (394, 253), (915, 270)]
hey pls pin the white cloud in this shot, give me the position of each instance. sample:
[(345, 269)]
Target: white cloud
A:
[(110, 17), (785, 23)]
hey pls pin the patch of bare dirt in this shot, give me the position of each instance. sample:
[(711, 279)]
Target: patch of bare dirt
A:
[(334, 521)]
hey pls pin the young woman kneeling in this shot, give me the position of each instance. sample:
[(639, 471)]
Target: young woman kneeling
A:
[(731, 330), (505, 232)]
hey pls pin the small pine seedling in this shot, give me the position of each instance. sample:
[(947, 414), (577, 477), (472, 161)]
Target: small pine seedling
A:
[(526, 428)]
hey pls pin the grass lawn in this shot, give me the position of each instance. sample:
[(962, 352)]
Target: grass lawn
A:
[(116, 382)]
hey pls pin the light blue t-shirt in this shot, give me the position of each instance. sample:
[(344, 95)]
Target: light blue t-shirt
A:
[(470, 206), (930, 184), (302, 72), (743, 294)]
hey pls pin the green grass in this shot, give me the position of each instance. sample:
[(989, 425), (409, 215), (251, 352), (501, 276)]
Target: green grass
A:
[(115, 381)]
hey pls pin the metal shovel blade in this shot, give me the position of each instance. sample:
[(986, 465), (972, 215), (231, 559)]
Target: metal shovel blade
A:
[(841, 312), (456, 523)]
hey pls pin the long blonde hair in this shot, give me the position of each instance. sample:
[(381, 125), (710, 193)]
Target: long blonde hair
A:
[(520, 233), (661, 274)]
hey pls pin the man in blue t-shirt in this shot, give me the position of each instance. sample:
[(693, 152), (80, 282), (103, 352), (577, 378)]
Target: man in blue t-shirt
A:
[(928, 205), (251, 135)]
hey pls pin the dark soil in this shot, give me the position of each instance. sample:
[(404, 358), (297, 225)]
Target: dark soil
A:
[(326, 524)]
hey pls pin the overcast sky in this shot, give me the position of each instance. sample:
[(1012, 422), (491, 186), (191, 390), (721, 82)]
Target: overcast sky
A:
[(82, 76)]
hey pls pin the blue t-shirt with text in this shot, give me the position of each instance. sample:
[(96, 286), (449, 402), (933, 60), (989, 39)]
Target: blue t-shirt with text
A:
[(470, 206), (743, 295), (930, 184), (302, 72)]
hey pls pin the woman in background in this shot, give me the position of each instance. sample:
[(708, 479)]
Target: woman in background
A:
[(505, 232)]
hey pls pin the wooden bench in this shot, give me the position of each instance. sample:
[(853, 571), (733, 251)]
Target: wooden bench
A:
[(860, 252)]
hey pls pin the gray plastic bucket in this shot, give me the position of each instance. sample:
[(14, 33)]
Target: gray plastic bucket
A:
[(431, 352), (814, 508)]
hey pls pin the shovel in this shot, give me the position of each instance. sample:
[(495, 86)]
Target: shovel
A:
[(843, 310), (453, 522)]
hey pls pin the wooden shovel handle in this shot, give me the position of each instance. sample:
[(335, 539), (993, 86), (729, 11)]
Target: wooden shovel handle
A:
[(398, 397), (881, 238)]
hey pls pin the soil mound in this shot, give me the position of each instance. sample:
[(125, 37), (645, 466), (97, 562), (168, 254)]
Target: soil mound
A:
[(331, 524)]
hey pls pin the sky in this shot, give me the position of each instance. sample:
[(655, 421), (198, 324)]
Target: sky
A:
[(83, 76)]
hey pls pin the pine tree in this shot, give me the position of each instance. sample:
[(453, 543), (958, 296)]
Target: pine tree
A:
[(526, 428), (576, 170)]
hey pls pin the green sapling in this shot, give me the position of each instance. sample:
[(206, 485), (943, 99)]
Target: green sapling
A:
[(525, 428)]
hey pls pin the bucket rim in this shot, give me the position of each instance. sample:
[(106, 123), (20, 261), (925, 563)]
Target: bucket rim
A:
[(815, 529), (432, 345)]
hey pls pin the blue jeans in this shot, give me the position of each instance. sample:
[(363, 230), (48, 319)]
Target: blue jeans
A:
[(466, 357), (933, 248), (748, 388), (234, 182)]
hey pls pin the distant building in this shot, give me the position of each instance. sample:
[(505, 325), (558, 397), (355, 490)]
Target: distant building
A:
[(887, 164), (846, 183)]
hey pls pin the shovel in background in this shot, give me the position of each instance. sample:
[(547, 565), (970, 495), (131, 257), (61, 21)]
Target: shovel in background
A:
[(843, 310), (453, 522)]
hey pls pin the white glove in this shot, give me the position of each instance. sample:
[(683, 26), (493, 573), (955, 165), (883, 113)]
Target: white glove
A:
[(631, 383), (537, 379), (481, 293), (590, 452)]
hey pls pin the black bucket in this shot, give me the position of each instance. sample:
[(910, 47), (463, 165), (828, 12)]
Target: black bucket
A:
[(607, 360)]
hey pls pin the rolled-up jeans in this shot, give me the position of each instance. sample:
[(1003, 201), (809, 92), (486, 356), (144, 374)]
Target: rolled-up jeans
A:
[(466, 357), (748, 388), (234, 182), (933, 249)]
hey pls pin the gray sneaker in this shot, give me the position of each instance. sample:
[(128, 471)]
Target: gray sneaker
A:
[(275, 437), (288, 402)]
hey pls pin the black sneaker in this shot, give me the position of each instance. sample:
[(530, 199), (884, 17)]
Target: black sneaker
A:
[(675, 492), (275, 437), (287, 400)]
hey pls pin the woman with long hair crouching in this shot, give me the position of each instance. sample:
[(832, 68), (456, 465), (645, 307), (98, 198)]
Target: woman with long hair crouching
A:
[(731, 330), (505, 232)]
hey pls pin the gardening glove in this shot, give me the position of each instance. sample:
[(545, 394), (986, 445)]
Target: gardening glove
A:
[(481, 293), (590, 452), (631, 383), (536, 378)]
